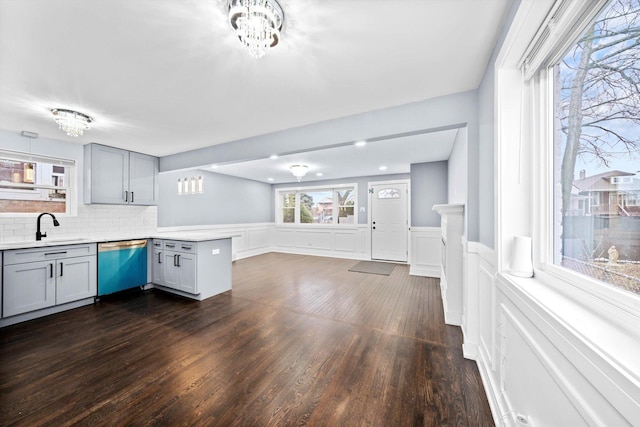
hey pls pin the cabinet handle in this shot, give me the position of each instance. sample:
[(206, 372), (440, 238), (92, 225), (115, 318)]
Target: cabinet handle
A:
[(132, 197), (51, 270), (170, 245), (61, 269), (159, 257), (178, 265), (174, 261), (186, 248), (126, 196), (55, 253)]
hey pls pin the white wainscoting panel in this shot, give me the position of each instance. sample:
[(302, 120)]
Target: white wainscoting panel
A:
[(534, 365), (285, 238), (332, 241), (426, 251), (314, 239), (259, 238), (346, 241)]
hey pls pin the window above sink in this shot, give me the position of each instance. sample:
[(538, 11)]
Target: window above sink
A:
[(32, 183)]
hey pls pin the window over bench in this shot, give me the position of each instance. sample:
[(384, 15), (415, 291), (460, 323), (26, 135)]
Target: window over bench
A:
[(317, 205)]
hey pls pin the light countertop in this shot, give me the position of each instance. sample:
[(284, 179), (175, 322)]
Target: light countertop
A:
[(189, 236)]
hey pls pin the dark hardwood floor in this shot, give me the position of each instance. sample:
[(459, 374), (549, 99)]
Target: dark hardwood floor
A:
[(298, 341)]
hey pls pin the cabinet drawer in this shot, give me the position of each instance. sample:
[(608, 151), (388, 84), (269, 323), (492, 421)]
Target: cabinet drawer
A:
[(19, 256), (180, 246), (157, 244)]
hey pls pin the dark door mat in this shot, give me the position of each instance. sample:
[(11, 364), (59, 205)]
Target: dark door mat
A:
[(373, 267)]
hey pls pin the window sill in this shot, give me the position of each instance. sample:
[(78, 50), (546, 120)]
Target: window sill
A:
[(323, 226), (595, 328)]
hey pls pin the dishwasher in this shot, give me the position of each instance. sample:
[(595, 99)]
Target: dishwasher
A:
[(121, 265)]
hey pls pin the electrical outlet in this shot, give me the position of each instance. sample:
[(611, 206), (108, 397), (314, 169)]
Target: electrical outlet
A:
[(215, 251)]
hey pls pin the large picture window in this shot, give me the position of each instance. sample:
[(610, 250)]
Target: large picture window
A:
[(596, 161), (34, 184), (317, 205)]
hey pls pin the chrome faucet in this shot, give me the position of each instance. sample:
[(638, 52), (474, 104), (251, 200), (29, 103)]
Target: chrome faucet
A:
[(40, 235)]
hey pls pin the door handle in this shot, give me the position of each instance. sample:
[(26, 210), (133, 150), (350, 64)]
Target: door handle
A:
[(132, 197), (61, 269), (126, 196), (159, 257), (51, 270)]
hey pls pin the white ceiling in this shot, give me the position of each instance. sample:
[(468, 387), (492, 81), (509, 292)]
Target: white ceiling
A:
[(388, 156), (166, 76)]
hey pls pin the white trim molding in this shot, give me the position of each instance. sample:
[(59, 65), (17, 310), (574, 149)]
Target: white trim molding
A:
[(350, 242), (426, 247)]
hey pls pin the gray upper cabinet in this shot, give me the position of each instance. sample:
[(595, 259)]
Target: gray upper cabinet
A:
[(115, 176)]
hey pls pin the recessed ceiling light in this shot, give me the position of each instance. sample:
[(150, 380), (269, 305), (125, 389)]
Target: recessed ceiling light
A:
[(319, 174), (269, 179), (214, 166), (361, 143), (273, 156), (382, 168)]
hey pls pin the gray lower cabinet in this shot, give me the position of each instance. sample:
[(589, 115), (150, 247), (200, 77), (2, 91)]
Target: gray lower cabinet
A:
[(196, 270), (1, 311), (28, 287), (157, 266), (45, 277), (178, 265), (180, 271)]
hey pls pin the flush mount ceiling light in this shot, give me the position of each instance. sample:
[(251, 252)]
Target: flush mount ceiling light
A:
[(299, 171), (257, 24), (72, 122)]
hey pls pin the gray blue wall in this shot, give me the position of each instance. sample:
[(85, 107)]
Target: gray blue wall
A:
[(226, 200), (428, 188), (486, 142)]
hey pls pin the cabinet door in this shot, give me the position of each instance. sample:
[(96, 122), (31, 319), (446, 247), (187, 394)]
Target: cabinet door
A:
[(157, 269), (109, 175), (188, 281), (143, 175), (28, 287), (171, 270), (76, 279)]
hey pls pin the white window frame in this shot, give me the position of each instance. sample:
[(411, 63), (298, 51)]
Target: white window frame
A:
[(535, 127), (70, 185), (299, 189)]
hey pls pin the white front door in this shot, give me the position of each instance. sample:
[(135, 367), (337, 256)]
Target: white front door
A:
[(389, 223)]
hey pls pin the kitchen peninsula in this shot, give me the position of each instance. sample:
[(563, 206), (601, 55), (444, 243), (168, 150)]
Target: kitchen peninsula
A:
[(49, 276)]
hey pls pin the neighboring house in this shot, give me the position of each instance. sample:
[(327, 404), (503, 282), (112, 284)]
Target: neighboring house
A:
[(612, 193), (323, 210)]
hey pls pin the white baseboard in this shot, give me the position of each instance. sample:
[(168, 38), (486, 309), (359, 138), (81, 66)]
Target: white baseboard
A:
[(433, 271)]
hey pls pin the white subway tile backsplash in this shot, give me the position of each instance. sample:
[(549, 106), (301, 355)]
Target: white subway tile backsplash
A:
[(91, 220)]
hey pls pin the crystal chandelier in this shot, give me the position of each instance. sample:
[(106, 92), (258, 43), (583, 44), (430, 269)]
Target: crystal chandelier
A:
[(299, 171), (257, 24), (72, 122)]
